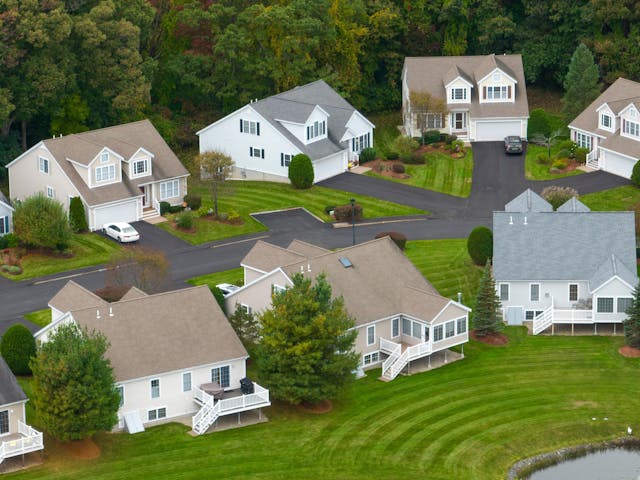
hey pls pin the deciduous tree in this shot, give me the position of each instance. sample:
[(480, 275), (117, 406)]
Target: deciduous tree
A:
[(141, 267), (215, 169)]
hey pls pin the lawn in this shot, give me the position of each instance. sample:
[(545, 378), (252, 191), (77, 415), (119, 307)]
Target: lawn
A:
[(386, 130), (537, 171), (470, 419), (42, 318), (234, 276), (440, 173), (87, 248), (246, 197), (620, 198)]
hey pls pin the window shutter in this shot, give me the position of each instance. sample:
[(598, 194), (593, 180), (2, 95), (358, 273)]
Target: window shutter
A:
[(6, 224), (484, 93), (509, 92), (251, 151), (240, 125), (258, 128), (262, 153), (282, 159)]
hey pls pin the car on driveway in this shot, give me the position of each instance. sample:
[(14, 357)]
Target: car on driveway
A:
[(513, 144), (121, 231), (227, 288)]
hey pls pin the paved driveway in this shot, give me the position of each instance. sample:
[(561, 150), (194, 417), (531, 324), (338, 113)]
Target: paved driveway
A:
[(154, 237)]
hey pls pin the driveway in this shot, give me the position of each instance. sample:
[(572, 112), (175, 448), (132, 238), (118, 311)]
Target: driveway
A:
[(153, 237)]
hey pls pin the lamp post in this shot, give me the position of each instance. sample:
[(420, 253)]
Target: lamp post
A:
[(353, 219)]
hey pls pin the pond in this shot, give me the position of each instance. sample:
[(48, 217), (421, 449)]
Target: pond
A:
[(612, 464)]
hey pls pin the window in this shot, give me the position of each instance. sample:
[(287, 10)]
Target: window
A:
[(583, 140), (4, 422), (531, 314), (450, 329), (104, 157), (139, 167), (573, 292), (406, 326), (246, 308), (605, 120), (395, 327), (624, 303), (120, 389), (417, 327), (534, 292), (498, 93), (155, 388), (157, 414), (186, 382), (4, 225), (370, 358), (504, 292), (631, 128), (247, 126), (458, 94), (256, 152), (220, 375), (43, 164), (437, 333), (285, 159), (316, 130), (434, 120), (461, 325), (605, 305), (106, 173), (170, 189), (276, 289), (426, 333), (360, 143), (371, 334), (50, 192)]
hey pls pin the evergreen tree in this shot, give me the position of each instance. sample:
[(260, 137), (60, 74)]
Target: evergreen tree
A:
[(486, 319), (306, 349), (632, 322), (77, 215), (301, 171), (581, 84)]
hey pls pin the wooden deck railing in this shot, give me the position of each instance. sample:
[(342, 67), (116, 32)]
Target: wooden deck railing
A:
[(30, 441)]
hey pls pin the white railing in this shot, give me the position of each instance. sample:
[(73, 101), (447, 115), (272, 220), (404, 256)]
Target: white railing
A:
[(419, 350), (544, 320), (592, 159), (156, 205), (387, 346), (572, 316), (30, 441), (411, 353), (395, 354)]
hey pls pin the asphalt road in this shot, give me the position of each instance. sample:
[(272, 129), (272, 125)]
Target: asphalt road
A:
[(497, 178)]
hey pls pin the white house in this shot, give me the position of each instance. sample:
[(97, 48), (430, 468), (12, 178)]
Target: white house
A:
[(121, 173), (572, 266), (398, 314), (263, 136), (6, 215), (16, 436), (610, 129), (173, 354), (485, 95)]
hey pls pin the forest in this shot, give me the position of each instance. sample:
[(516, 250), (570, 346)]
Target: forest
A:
[(73, 65)]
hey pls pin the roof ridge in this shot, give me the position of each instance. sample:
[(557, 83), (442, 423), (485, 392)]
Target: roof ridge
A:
[(438, 295), (160, 294), (300, 102)]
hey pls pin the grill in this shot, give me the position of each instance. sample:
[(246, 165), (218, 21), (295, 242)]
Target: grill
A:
[(246, 386)]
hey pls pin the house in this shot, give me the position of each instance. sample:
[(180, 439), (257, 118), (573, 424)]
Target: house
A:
[(173, 354), (572, 266), (121, 173), (16, 437), (398, 314), (485, 96), (6, 215), (263, 136), (610, 129)]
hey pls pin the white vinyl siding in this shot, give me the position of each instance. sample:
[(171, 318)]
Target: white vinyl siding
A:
[(170, 189)]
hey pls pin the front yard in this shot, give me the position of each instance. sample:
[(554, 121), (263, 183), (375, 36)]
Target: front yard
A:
[(535, 170), (621, 198)]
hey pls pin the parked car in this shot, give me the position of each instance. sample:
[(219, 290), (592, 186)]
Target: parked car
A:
[(121, 231), (513, 144), (227, 288)]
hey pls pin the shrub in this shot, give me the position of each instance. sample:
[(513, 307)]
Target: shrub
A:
[(431, 136), (17, 348), (343, 213), (416, 158), (193, 201), (480, 245), (301, 171), (40, 221), (563, 154), (397, 167), (398, 238), (457, 146), (568, 145), (392, 155), (556, 196), (367, 155), (165, 207), (559, 164), (542, 159), (175, 208), (635, 174), (219, 296), (449, 139), (77, 215), (328, 209), (12, 269), (204, 210), (185, 220), (581, 155), (405, 146)]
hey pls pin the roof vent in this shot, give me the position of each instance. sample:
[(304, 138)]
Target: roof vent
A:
[(110, 312), (98, 314), (346, 263), (309, 267), (525, 221), (510, 219)]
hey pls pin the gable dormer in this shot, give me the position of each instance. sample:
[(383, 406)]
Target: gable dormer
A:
[(630, 122), (606, 118), (497, 87), (316, 126), (140, 164), (457, 86), (105, 168)]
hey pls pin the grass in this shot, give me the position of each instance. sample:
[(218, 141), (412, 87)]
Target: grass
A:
[(537, 171), (620, 198), (42, 318), (470, 419), (386, 130), (246, 197), (440, 173), (88, 249), (234, 276)]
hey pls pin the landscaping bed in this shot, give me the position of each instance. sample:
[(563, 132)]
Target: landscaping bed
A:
[(539, 166)]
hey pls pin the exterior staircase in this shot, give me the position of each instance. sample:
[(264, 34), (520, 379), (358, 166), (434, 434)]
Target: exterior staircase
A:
[(543, 321), (399, 357), (149, 212), (592, 160), (207, 415)]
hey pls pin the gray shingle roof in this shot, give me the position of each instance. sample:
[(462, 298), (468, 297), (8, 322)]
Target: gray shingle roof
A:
[(610, 267), (573, 205), (528, 201), (10, 390)]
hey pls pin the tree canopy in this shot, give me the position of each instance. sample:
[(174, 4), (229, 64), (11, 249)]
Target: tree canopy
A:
[(486, 316), (582, 83), (632, 322)]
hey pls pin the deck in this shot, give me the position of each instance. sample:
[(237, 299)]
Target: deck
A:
[(27, 440)]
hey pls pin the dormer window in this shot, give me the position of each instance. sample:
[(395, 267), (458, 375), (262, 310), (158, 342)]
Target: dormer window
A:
[(104, 157), (605, 120), (502, 92), (631, 128), (140, 167), (458, 94), (106, 173), (317, 129)]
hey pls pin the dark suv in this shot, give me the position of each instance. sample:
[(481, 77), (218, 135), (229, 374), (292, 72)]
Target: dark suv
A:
[(513, 144)]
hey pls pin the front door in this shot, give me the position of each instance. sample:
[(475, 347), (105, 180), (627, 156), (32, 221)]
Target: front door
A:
[(459, 121), (146, 191)]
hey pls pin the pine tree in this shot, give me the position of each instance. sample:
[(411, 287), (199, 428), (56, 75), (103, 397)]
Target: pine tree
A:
[(486, 319), (581, 84), (632, 322)]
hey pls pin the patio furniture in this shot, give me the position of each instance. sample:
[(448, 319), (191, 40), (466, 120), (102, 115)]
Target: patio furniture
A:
[(214, 389)]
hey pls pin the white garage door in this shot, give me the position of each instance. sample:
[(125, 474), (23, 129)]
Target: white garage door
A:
[(122, 212), (618, 165), (494, 131), (328, 167)]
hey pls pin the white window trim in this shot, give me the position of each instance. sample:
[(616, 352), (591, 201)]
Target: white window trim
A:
[(452, 95), (397, 320), (108, 169), (500, 292), (44, 161), (371, 362), (246, 308), (625, 133), (4, 221), (166, 184), (146, 167), (584, 140), (466, 325), (615, 303), (613, 309), (530, 292), (577, 292), (122, 396), (503, 93), (374, 335), (50, 189), (601, 124), (220, 367), (156, 410), (446, 328), (104, 157), (433, 330), (9, 422), (190, 381), (151, 388)]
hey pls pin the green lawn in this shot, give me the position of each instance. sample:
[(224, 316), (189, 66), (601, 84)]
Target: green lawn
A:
[(537, 171), (470, 419), (246, 197), (620, 198), (41, 318), (88, 249), (234, 276), (440, 173), (386, 130)]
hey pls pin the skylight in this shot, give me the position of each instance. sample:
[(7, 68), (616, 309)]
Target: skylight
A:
[(346, 263)]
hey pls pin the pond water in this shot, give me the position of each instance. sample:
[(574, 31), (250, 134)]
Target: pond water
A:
[(614, 464)]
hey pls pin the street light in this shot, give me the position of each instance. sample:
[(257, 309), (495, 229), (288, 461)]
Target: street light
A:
[(353, 219)]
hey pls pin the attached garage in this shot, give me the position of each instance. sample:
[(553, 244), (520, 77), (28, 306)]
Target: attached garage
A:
[(329, 166), (119, 212), (617, 164), (492, 131)]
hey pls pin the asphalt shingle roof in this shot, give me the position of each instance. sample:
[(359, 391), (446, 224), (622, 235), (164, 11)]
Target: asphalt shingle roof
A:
[(10, 390)]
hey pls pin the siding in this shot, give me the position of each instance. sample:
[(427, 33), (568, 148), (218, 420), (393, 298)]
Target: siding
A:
[(258, 295), (16, 414)]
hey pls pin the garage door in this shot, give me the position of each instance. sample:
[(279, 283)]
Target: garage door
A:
[(328, 167), (618, 165), (122, 212), (494, 131)]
